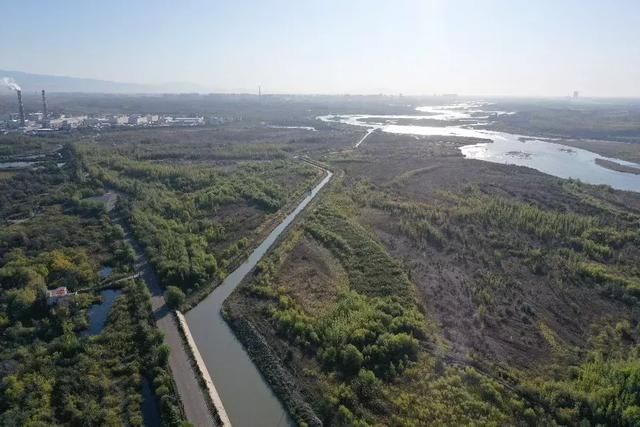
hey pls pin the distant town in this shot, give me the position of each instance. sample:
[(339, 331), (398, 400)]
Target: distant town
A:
[(44, 121)]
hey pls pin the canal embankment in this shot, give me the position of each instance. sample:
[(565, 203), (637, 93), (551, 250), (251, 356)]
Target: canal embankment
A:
[(237, 377), (271, 368), (220, 414)]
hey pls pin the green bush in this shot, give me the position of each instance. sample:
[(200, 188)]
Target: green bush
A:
[(350, 360), (174, 297)]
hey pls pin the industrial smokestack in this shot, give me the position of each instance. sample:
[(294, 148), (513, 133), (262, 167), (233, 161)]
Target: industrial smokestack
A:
[(45, 122), (11, 84), (20, 108)]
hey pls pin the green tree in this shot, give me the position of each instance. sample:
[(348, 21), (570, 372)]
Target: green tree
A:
[(174, 297), (20, 306), (351, 359), (163, 358)]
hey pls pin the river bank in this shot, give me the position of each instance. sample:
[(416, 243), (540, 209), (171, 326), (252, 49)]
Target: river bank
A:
[(271, 368), (609, 164), (472, 120)]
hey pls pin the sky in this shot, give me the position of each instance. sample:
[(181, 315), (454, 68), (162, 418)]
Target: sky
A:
[(414, 47)]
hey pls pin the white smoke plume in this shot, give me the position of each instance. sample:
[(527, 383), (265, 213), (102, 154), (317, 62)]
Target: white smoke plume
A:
[(11, 84)]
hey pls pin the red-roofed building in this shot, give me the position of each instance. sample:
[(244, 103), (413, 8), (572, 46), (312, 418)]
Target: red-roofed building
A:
[(54, 295), (62, 291)]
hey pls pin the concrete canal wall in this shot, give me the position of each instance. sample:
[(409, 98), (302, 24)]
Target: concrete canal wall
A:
[(212, 393)]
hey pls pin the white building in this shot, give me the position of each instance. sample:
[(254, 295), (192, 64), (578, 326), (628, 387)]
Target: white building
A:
[(188, 121), (59, 294), (67, 122), (119, 120), (138, 120)]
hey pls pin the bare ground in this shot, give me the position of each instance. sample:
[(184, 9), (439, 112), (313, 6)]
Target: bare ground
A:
[(417, 169)]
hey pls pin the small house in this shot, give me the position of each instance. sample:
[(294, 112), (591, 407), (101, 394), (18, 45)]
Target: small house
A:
[(56, 295)]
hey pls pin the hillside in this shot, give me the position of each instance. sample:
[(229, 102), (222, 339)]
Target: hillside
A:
[(30, 82)]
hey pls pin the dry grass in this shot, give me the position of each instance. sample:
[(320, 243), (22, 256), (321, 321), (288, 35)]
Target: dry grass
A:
[(312, 276)]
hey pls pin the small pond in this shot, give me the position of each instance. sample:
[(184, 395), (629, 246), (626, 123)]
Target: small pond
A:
[(98, 313)]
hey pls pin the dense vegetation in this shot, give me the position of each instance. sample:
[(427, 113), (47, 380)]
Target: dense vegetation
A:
[(598, 250), (422, 289), (195, 220), (23, 146), (517, 294), (67, 380), (51, 372), (367, 349)]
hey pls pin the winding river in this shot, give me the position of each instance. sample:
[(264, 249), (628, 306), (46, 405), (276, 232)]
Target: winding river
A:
[(548, 156), (247, 397)]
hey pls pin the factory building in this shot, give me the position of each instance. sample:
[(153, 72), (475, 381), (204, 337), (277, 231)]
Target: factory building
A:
[(187, 121), (118, 120), (138, 120), (67, 122), (46, 122)]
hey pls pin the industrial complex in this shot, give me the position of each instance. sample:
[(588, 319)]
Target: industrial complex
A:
[(46, 121)]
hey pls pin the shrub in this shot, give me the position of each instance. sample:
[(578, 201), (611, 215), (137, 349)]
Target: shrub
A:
[(350, 360), (174, 297)]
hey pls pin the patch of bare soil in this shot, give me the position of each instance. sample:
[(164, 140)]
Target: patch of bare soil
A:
[(532, 313), (510, 333), (312, 275)]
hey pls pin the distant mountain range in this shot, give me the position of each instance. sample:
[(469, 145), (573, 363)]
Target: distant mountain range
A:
[(35, 82)]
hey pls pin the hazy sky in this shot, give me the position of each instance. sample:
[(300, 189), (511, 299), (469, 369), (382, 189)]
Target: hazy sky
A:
[(507, 47)]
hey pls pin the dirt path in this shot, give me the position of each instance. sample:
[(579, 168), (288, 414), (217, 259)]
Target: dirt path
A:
[(369, 132), (193, 400)]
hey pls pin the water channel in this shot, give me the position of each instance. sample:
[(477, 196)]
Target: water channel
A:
[(247, 397)]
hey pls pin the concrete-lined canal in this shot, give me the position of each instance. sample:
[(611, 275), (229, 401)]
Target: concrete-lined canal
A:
[(247, 397)]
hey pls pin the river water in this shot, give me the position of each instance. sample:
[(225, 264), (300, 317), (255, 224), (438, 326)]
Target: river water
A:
[(245, 394), (247, 397), (551, 157)]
